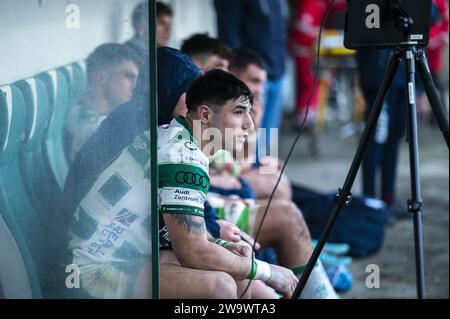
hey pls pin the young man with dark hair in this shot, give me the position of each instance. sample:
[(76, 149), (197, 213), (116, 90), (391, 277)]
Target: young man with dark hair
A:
[(207, 52), (284, 227), (250, 68), (247, 66), (109, 234), (112, 71), (216, 101)]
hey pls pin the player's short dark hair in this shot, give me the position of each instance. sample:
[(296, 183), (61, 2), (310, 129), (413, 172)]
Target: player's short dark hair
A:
[(163, 9), (202, 43), (243, 57), (109, 54), (215, 88)]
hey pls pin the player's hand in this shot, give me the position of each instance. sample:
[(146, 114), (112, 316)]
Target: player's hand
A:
[(282, 280), (229, 231), (240, 249), (249, 240), (225, 180)]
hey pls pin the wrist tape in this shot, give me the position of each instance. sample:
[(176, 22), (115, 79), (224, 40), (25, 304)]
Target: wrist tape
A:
[(260, 270), (221, 242)]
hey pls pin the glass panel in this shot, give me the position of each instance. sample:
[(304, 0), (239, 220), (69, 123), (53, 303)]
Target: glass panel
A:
[(74, 138)]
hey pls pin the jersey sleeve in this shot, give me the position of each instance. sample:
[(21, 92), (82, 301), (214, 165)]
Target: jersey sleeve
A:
[(182, 189)]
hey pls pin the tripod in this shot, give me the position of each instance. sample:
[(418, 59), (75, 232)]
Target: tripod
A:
[(412, 57)]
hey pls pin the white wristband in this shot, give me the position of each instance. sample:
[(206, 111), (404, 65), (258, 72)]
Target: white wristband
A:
[(263, 271)]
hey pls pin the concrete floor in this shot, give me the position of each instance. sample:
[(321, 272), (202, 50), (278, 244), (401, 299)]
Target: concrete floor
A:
[(327, 172)]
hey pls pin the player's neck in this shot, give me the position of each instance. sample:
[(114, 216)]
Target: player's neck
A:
[(196, 129)]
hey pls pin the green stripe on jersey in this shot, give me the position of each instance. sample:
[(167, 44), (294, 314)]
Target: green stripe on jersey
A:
[(182, 175)]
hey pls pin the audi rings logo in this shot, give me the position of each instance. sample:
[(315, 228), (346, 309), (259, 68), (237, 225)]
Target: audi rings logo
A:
[(191, 179)]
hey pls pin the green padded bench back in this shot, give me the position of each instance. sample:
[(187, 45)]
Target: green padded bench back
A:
[(15, 206), (39, 181), (58, 91)]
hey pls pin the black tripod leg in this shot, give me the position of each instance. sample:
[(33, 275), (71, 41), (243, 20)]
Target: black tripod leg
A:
[(415, 203), (432, 94), (344, 193)]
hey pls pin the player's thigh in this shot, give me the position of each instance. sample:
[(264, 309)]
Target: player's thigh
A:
[(177, 281), (281, 216)]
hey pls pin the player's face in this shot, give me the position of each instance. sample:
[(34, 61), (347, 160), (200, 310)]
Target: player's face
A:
[(234, 122)]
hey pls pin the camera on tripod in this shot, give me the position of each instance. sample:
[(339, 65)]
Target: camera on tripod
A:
[(404, 26), (387, 23)]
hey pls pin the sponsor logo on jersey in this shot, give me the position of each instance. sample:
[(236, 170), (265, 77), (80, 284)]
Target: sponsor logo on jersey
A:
[(194, 160), (191, 178), (125, 217)]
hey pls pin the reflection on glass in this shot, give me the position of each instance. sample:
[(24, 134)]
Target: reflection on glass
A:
[(74, 155)]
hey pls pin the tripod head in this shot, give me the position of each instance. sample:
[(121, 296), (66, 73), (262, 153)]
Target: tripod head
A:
[(403, 21)]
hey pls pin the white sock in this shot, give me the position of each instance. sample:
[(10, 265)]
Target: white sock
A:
[(318, 285)]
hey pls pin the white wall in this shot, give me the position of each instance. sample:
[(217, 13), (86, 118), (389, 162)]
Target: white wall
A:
[(34, 36)]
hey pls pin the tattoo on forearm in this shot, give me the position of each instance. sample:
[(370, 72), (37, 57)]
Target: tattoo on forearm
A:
[(191, 225)]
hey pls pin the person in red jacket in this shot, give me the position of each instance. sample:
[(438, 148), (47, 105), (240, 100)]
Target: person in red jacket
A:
[(309, 16), (438, 40)]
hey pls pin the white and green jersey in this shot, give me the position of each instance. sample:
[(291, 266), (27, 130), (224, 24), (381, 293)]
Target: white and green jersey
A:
[(183, 174), (110, 237)]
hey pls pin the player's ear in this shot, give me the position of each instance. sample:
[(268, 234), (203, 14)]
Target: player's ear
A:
[(204, 114)]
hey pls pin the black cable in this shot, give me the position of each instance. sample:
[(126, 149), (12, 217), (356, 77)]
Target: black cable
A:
[(316, 75)]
